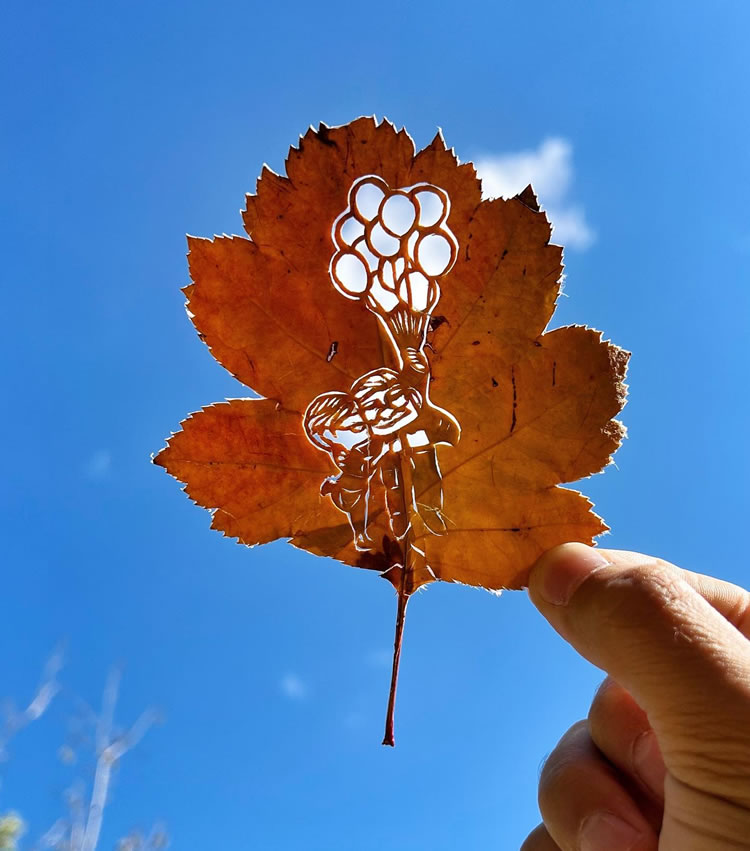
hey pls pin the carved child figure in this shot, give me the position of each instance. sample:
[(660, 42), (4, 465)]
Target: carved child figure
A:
[(334, 423)]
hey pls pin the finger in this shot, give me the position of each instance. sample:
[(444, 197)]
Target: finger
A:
[(539, 840), (730, 601), (645, 625), (583, 803), (620, 730), (683, 663)]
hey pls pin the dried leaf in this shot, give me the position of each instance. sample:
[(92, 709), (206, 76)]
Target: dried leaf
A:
[(417, 420)]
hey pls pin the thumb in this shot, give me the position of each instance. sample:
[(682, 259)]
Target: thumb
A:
[(656, 630)]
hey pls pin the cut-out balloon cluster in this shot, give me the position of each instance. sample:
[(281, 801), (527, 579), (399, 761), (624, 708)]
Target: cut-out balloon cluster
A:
[(392, 245)]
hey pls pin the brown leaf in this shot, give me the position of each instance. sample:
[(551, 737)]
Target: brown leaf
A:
[(250, 459), (418, 420)]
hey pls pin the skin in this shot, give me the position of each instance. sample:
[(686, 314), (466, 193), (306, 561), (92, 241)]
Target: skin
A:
[(663, 759)]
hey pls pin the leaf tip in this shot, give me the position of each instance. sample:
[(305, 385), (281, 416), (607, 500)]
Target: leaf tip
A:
[(438, 141), (528, 198)]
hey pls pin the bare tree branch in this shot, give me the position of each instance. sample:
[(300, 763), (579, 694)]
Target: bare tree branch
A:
[(81, 830), (109, 752), (48, 687)]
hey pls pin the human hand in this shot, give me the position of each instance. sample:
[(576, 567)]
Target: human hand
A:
[(663, 760)]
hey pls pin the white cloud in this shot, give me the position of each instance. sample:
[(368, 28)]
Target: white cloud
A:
[(98, 465), (549, 169), (293, 687)]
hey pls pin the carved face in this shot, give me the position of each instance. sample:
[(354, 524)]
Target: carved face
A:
[(334, 419), (385, 403)]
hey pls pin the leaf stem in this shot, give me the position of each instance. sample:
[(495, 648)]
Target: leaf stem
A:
[(403, 599)]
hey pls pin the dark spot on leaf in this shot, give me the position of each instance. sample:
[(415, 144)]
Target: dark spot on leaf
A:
[(436, 322), (475, 343), (494, 383)]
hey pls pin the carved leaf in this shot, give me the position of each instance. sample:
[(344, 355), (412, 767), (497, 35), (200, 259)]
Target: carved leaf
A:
[(417, 419)]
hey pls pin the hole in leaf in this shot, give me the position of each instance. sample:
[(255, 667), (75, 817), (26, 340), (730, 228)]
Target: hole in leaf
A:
[(351, 230), (368, 197), (432, 207), (398, 214), (383, 243), (350, 273), (434, 254)]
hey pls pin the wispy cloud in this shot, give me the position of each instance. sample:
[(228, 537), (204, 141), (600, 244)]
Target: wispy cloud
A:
[(293, 687), (549, 169), (98, 465)]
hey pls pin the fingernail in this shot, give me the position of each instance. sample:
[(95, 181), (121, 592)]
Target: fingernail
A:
[(606, 831), (648, 762), (564, 569)]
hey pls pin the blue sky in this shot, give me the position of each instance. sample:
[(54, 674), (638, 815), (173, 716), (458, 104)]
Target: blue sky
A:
[(126, 125)]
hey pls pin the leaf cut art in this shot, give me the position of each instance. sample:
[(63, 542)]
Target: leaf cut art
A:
[(416, 418)]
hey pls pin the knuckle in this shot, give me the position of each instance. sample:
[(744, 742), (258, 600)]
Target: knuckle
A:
[(715, 820), (716, 763), (636, 593), (740, 613)]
